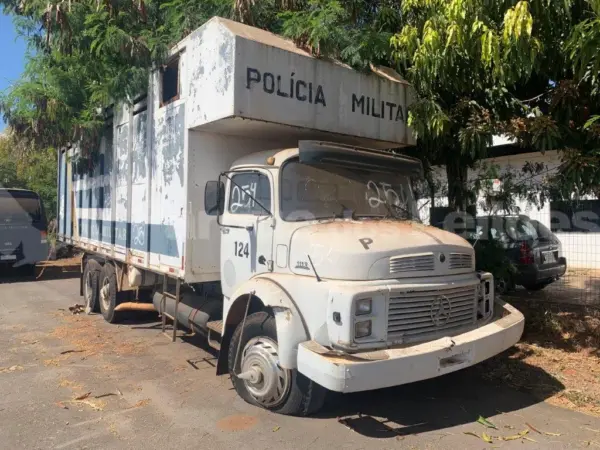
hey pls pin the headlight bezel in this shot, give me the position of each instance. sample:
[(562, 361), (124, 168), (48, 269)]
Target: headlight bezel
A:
[(358, 312), (369, 331)]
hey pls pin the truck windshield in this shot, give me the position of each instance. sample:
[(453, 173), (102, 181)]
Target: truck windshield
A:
[(20, 207), (318, 192)]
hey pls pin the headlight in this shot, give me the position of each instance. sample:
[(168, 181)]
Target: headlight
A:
[(364, 306), (362, 329)]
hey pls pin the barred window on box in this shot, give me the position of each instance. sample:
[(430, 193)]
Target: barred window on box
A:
[(576, 216), (169, 82)]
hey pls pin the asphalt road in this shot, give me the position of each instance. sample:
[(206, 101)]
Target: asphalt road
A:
[(136, 389)]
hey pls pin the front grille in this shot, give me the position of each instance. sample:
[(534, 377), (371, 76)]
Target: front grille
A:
[(412, 263), (460, 261), (419, 315)]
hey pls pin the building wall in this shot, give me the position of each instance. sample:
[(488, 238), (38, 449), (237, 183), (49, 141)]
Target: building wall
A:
[(582, 249)]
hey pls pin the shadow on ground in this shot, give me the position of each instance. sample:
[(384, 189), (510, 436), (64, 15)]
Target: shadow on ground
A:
[(502, 384), (20, 275), (437, 404)]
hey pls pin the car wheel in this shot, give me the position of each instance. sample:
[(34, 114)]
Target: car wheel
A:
[(266, 383), (26, 270), (107, 290), (503, 285), (91, 274)]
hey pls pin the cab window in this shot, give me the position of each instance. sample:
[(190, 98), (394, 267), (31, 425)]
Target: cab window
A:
[(246, 191)]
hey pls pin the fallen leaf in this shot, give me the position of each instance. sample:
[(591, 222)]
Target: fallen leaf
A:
[(470, 433), (104, 395), (486, 423), (10, 369), (514, 437), (486, 438), (533, 428), (71, 351), (83, 396), (62, 405), (529, 439), (548, 433), (276, 429)]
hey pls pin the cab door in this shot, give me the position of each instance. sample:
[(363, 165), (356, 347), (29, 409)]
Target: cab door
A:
[(246, 228)]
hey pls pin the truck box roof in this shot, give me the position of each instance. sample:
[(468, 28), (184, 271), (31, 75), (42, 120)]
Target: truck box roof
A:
[(249, 82)]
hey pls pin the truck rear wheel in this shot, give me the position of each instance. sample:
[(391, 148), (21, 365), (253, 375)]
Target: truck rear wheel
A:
[(91, 274), (266, 383), (108, 294)]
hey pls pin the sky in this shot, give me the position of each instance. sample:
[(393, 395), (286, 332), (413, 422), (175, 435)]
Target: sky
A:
[(13, 55)]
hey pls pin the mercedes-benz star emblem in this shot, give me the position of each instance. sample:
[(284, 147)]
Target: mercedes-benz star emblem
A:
[(440, 310), (442, 257)]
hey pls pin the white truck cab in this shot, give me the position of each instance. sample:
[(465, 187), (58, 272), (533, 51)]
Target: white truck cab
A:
[(252, 195), (326, 238)]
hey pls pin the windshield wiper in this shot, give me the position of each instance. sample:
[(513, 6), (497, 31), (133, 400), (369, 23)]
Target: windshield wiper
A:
[(406, 211)]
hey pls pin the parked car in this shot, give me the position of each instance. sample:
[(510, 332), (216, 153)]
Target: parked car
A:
[(23, 230), (530, 246)]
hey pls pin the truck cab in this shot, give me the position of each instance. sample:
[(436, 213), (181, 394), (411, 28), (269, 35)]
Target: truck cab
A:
[(324, 241)]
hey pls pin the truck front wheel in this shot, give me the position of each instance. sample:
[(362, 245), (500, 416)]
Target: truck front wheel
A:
[(108, 293), (264, 382)]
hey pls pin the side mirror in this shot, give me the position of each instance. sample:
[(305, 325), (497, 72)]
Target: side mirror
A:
[(214, 198)]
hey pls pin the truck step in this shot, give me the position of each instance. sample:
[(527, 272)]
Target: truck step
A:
[(214, 344), (215, 332), (216, 326)]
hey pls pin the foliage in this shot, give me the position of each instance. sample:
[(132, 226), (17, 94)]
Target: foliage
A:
[(34, 170), (471, 62), (526, 69)]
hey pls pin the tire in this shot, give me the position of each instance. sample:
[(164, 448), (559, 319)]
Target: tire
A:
[(108, 296), (299, 396), (27, 271), (536, 286), (503, 286), (91, 276)]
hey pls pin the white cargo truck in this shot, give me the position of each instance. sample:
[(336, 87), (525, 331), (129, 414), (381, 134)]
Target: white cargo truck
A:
[(249, 197)]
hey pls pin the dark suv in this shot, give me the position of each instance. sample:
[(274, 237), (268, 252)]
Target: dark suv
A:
[(23, 230), (534, 250)]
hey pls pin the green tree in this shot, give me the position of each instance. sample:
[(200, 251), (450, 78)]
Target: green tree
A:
[(527, 69), (8, 166), (33, 170)]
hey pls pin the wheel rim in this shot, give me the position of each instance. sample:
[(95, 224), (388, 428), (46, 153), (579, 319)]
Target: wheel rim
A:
[(104, 293), (271, 384), (88, 290), (501, 286)]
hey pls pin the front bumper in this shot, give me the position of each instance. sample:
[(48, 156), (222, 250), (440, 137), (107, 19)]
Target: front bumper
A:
[(365, 371)]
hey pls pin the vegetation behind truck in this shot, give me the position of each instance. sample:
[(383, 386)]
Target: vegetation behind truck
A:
[(244, 197)]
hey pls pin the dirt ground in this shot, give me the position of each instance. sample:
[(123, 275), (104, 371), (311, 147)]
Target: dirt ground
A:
[(74, 381), (577, 287), (560, 340)]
